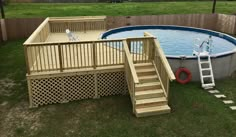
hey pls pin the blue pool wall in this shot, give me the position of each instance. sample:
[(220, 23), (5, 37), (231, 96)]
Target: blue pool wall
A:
[(224, 65)]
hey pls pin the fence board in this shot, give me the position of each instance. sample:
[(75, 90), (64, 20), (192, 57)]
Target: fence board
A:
[(207, 21), (21, 27), (1, 34), (226, 23)]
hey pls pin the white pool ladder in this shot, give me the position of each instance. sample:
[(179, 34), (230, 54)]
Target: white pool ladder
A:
[(206, 72)]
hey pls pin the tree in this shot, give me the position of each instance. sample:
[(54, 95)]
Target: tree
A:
[(2, 10), (214, 6)]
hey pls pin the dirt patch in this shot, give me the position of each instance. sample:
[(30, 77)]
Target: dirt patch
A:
[(20, 121), (6, 86)]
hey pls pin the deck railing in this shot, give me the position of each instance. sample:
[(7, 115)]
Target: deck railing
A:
[(44, 57), (59, 25), (161, 64), (141, 49), (130, 72)]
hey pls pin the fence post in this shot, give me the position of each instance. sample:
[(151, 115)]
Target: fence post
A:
[(3, 28), (26, 59), (235, 25), (60, 57)]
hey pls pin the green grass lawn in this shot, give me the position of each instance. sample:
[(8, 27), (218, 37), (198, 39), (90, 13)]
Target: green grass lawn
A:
[(195, 113), (151, 8)]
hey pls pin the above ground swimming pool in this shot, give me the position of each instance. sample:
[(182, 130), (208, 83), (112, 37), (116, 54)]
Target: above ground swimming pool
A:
[(178, 41)]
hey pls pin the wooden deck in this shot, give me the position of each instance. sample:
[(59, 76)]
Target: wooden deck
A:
[(83, 36)]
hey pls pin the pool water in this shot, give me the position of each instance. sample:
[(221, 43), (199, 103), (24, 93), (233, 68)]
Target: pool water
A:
[(178, 42)]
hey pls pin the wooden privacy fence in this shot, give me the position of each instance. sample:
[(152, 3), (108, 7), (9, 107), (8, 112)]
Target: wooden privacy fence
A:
[(207, 21), (23, 27)]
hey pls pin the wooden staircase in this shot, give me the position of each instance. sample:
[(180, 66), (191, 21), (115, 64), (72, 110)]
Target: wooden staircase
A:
[(149, 95)]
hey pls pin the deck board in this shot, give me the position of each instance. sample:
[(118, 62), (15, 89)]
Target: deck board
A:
[(83, 36)]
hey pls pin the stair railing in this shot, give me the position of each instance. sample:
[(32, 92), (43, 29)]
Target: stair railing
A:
[(161, 65), (130, 73)]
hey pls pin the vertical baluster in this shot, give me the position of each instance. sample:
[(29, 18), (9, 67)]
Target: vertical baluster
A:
[(98, 48), (77, 54), (60, 56), (84, 55), (51, 56), (40, 58), (114, 51), (103, 52), (88, 56), (70, 56), (56, 55), (94, 55), (48, 59), (81, 59), (32, 58), (44, 58)]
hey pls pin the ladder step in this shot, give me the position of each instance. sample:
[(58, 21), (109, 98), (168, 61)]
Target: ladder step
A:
[(204, 62), (208, 86), (207, 76), (205, 69)]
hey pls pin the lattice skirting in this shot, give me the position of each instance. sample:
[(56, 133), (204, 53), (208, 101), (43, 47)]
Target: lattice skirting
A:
[(60, 89)]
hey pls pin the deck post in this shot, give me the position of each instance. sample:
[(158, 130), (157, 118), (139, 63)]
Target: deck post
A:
[(26, 60), (60, 57), (84, 27), (94, 55)]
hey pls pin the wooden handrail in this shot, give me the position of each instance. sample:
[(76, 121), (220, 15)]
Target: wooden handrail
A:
[(76, 18), (164, 61), (80, 42), (36, 32), (130, 62), (162, 56)]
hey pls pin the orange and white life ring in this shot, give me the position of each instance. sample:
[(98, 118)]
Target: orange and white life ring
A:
[(187, 72)]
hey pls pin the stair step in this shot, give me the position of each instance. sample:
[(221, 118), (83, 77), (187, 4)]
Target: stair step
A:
[(148, 86), (141, 103), (146, 71), (148, 78), (149, 94), (143, 65), (150, 111)]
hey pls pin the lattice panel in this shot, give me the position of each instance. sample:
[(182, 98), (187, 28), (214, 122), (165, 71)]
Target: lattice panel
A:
[(46, 91), (62, 89), (111, 83), (79, 87)]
